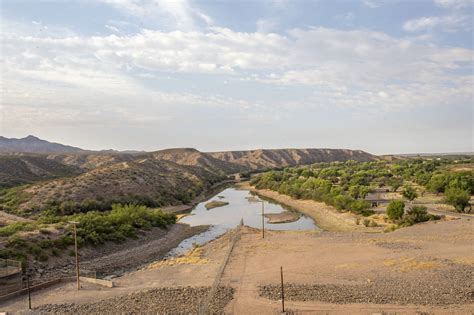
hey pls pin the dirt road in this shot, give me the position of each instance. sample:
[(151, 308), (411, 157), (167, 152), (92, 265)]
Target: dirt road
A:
[(426, 268)]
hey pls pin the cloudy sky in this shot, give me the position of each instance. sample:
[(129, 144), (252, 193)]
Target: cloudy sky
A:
[(381, 76)]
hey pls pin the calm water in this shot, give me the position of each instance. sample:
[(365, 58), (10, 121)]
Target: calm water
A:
[(242, 205)]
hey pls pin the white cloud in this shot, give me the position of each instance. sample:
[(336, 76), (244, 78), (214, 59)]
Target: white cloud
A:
[(102, 76), (373, 3), (454, 4), (112, 28), (447, 23), (179, 14)]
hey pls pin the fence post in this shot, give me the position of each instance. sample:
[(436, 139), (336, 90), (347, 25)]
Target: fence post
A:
[(28, 288), (282, 292)]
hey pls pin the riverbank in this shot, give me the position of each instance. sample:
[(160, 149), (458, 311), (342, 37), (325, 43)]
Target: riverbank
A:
[(326, 217), (115, 259)]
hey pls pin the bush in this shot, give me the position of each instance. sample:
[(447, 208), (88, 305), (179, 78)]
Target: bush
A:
[(13, 228), (119, 224), (409, 193), (417, 214), (361, 207), (395, 210), (458, 198)]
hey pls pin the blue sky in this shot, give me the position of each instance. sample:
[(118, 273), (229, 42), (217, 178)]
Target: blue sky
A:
[(381, 76)]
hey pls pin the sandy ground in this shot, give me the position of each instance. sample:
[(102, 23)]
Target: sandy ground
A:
[(407, 255), (282, 217)]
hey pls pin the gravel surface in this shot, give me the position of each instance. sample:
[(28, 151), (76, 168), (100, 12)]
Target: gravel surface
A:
[(455, 286), (180, 300)]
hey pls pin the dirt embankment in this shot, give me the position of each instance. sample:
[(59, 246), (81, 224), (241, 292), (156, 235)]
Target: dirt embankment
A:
[(116, 259), (326, 217)]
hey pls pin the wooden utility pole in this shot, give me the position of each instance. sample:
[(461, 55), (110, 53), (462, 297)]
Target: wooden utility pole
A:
[(282, 292), (77, 254), (28, 289), (263, 220)]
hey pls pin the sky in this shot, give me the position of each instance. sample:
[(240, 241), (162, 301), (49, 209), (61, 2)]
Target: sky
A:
[(376, 75)]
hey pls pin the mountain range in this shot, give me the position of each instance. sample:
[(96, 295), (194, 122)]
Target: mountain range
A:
[(68, 178)]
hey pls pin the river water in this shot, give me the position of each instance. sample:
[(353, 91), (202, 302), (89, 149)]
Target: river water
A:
[(242, 205)]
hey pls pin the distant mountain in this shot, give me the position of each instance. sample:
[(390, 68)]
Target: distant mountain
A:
[(275, 158), (18, 169), (32, 144)]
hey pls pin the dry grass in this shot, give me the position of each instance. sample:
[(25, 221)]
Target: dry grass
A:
[(410, 264), (193, 257)]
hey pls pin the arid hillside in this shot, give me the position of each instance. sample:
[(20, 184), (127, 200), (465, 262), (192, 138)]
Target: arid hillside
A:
[(20, 169), (90, 161), (145, 181), (268, 159), (193, 157)]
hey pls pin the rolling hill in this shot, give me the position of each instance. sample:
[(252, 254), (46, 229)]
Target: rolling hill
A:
[(85, 180), (276, 158), (20, 169)]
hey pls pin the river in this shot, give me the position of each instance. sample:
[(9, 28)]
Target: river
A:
[(243, 205)]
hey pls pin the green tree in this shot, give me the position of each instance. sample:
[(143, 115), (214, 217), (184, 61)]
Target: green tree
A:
[(458, 198), (437, 183), (395, 210), (409, 193), (354, 191), (395, 182)]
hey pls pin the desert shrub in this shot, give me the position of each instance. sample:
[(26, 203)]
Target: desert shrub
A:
[(417, 214), (361, 207), (409, 193), (13, 228), (373, 224), (395, 210), (458, 198)]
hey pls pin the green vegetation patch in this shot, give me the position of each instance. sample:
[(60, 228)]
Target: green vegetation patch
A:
[(345, 185), (94, 228)]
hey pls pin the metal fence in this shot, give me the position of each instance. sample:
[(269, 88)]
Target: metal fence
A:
[(9, 267)]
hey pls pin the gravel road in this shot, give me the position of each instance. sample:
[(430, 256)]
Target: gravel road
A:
[(180, 300), (455, 286)]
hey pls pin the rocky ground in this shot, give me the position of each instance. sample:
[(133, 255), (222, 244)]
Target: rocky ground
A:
[(454, 286), (117, 258), (179, 300)]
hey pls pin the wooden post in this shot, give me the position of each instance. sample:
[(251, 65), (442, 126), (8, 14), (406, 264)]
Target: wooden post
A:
[(77, 256), (263, 220), (282, 292), (28, 289)]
